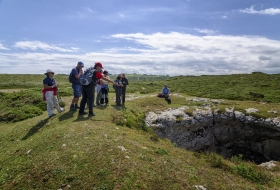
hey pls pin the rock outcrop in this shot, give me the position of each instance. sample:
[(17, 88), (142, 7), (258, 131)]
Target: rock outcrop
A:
[(228, 133)]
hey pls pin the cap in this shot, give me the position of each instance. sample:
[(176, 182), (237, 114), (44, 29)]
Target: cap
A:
[(81, 63), (49, 71), (98, 64)]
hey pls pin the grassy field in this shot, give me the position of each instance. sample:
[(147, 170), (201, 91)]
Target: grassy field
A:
[(115, 149)]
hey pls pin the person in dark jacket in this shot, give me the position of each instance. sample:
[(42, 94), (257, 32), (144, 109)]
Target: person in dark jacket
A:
[(124, 83), (165, 93), (88, 91), (118, 89)]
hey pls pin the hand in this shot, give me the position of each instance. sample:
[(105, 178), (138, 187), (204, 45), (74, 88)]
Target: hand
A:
[(116, 84)]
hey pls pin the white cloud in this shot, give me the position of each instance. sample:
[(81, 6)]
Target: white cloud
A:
[(2, 47), (224, 17), (36, 45), (121, 15), (206, 31), (270, 11), (89, 9), (161, 53)]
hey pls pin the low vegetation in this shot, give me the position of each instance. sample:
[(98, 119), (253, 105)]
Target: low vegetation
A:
[(115, 149)]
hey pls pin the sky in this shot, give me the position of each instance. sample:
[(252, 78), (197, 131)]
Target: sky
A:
[(161, 37)]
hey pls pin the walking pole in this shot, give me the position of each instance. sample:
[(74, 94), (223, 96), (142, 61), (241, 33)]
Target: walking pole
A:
[(60, 102)]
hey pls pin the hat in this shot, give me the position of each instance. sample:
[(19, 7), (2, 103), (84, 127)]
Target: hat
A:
[(49, 71), (81, 63), (98, 64)]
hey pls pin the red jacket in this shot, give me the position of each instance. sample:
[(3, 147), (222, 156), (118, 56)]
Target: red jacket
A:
[(48, 89)]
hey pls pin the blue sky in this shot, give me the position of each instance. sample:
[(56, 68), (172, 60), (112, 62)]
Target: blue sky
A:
[(180, 37)]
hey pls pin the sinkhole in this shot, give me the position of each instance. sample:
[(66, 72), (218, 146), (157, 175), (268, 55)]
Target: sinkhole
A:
[(223, 134)]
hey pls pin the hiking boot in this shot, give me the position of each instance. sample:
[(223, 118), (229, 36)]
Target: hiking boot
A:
[(91, 114), (76, 106), (51, 115), (61, 110), (83, 113), (72, 108)]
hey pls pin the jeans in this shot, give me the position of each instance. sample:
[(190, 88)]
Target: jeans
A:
[(98, 94), (88, 95), (104, 92)]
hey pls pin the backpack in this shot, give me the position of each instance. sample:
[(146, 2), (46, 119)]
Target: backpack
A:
[(88, 77), (70, 77)]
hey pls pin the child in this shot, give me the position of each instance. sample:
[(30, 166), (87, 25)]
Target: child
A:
[(104, 89)]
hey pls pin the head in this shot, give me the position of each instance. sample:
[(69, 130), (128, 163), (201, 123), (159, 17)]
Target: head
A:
[(105, 73), (119, 77), (165, 86), (49, 73), (98, 66), (80, 65), (123, 75)]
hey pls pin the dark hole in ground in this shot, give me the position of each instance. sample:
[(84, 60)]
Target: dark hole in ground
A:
[(257, 143)]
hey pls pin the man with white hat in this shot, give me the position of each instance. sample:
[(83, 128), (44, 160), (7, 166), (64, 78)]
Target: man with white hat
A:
[(49, 93)]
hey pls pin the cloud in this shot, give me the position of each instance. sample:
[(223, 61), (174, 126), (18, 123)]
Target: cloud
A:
[(2, 47), (224, 17), (206, 31), (36, 45), (171, 53), (264, 58), (270, 11)]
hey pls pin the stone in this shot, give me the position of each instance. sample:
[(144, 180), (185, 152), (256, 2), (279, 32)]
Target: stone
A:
[(200, 187), (268, 165), (228, 133)]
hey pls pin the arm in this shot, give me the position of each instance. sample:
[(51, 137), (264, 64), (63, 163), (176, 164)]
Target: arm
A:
[(76, 74), (126, 81), (45, 82), (108, 80), (46, 86)]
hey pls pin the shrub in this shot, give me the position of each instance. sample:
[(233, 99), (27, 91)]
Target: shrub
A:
[(161, 151)]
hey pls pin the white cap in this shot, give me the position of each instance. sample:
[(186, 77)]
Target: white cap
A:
[(49, 71)]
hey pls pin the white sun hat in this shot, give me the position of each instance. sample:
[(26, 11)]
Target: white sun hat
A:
[(49, 71)]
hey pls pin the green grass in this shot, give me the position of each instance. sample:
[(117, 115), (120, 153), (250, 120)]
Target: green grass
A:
[(115, 149), (67, 150)]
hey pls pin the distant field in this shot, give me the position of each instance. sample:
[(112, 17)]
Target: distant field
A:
[(260, 87)]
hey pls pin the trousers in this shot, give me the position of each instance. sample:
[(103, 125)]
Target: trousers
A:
[(52, 101)]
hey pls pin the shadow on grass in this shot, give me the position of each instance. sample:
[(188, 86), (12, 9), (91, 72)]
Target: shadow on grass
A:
[(67, 115), (119, 108), (36, 128), (83, 118)]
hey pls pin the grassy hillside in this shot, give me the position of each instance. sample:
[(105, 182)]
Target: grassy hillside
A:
[(115, 150)]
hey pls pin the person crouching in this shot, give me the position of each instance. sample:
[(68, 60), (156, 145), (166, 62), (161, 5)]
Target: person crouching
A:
[(50, 92)]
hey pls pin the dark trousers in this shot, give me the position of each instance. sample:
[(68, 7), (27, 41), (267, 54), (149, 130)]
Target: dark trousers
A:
[(123, 93), (118, 90), (104, 95), (88, 95)]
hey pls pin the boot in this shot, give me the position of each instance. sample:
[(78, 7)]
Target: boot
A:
[(72, 107)]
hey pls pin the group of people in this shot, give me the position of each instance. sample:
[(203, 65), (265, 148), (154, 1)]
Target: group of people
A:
[(99, 82)]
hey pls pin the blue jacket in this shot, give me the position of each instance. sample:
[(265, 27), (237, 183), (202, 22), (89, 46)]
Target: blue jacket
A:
[(165, 91)]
